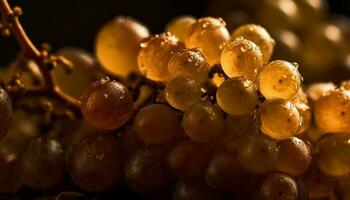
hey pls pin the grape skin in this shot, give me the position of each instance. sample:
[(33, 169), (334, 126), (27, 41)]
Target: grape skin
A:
[(180, 26), (317, 90), (6, 112), (195, 190), (278, 187), (10, 181), (305, 112)]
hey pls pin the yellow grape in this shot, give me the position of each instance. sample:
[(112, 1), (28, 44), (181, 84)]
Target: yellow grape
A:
[(300, 98), (317, 90), (345, 85), (209, 35), (237, 96), (241, 57), (278, 186), (118, 43), (180, 26), (279, 79), (305, 113)]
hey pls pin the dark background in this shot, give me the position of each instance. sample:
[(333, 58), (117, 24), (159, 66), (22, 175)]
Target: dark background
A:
[(75, 22)]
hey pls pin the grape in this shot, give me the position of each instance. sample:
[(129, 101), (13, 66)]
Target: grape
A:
[(147, 170), (317, 90), (96, 162), (224, 172), (188, 160), (203, 122), (182, 92), (331, 111), (84, 72), (42, 164), (241, 57), (319, 186), (259, 36), (300, 98), (209, 35), (106, 104), (278, 187), (156, 124), (288, 44), (118, 43), (345, 85), (155, 54), (258, 154), (191, 63), (279, 79), (305, 112), (343, 187), (279, 119), (294, 157), (131, 142), (195, 190), (6, 112), (180, 26), (9, 179), (237, 96)]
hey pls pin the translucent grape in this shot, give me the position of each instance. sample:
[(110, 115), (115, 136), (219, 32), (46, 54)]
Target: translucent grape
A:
[(241, 57), (237, 96), (147, 170), (317, 90), (191, 63), (96, 162), (279, 79), (294, 156), (156, 124), (203, 122), (278, 187), (42, 164), (300, 98), (279, 119), (305, 112), (331, 111), (195, 190), (188, 160), (182, 92), (259, 36), (155, 54), (118, 43), (258, 154), (6, 112), (180, 26), (106, 104), (209, 35), (10, 182)]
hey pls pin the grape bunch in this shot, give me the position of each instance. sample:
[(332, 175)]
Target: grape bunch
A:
[(193, 113)]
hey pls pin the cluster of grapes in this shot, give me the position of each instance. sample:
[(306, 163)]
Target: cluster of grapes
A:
[(196, 113)]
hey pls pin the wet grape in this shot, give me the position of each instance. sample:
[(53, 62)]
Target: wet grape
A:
[(180, 26)]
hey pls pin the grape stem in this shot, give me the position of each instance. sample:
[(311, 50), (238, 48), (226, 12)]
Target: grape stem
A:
[(45, 61)]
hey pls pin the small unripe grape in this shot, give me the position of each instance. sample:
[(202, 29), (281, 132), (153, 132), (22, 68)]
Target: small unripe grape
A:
[(42, 164), (156, 124), (118, 43), (188, 160), (6, 112), (195, 190), (147, 170), (209, 35), (278, 187), (317, 90), (155, 54), (259, 36), (305, 112), (258, 154), (96, 162), (237, 96), (106, 104), (279, 119), (180, 26), (182, 92), (294, 156), (10, 181), (203, 122), (191, 63), (241, 57), (279, 79), (332, 111)]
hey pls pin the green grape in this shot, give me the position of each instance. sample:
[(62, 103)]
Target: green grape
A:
[(305, 112), (195, 190), (237, 96), (96, 162), (241, 57), (180, 26), (278, 186), (84, 71), (106, 104), (203, 122), (182, 92), (10, 182), (259, 36), (258, 154), (191, 63), (279, 79), (118, 43), (224, 172), (188, 160), (317, 90), (147, 170), (131, 142), (279, 119), (156, 124), (209, 35), (42, 164), (294, 157), (331, 111), (155, 54)]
